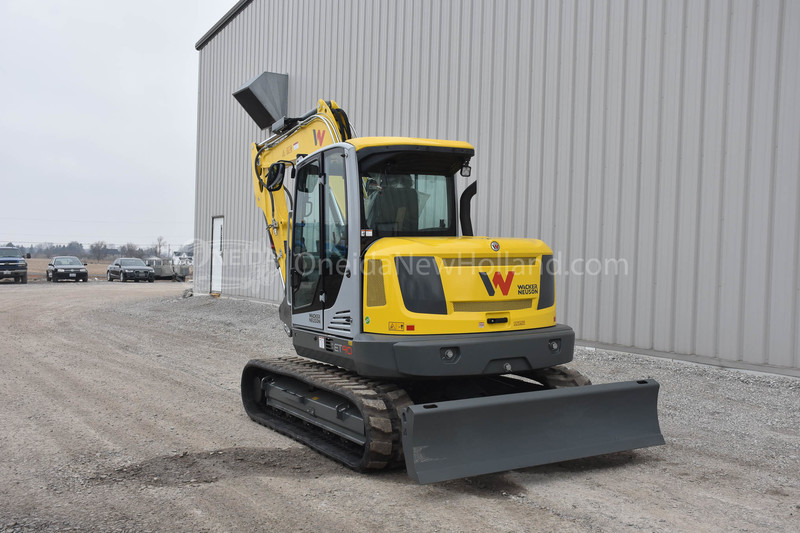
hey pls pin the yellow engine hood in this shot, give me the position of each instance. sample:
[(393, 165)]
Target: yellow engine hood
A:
[(438, 285)]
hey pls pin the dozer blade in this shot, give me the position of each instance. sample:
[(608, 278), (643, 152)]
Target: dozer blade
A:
[(462, 438)]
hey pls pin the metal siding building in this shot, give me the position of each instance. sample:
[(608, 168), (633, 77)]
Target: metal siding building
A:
[(664, 134)]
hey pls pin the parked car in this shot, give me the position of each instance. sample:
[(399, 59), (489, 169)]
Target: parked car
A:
[(130, 268), (67, 267), (163, 269), (13, 264)]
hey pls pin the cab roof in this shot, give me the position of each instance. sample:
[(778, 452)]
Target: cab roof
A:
[(361, 143)]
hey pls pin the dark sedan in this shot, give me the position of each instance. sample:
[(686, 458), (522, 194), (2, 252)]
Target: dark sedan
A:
[(67, 267), (130, 268)]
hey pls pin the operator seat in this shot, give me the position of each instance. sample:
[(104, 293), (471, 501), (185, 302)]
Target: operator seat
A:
[(395, 209)]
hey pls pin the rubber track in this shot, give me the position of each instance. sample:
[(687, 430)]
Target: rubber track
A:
[(559, 377), (379, 404)]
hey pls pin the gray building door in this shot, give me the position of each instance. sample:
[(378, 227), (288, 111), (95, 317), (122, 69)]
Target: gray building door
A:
[(216, 254)]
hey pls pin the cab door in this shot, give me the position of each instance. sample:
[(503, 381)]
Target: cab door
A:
[(319, 238), (217, 224), (306, 259)]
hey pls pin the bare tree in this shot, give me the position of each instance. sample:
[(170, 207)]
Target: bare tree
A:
[(44, 249), (160, 242), (98, 250), (131, 250), (74, 248)]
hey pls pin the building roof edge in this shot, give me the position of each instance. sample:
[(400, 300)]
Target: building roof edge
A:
[(220, 25)]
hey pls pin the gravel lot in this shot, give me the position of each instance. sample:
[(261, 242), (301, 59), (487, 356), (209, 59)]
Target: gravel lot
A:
[(121, 412)]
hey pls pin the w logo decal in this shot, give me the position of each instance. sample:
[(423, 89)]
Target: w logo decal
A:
[(497, 281)]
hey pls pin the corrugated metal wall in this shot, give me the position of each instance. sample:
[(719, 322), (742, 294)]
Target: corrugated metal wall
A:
[(660, 136)]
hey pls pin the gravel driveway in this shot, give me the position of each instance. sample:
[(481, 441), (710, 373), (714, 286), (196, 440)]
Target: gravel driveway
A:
[(120, 411)]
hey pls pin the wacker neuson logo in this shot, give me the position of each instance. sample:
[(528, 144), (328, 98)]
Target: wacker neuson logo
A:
[(530, 288), (497, 281)]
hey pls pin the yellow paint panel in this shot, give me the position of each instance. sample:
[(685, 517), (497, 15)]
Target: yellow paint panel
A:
[(469, 302), (371, 142)]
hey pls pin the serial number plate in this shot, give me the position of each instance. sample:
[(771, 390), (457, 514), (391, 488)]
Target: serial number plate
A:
[(72, 275), (6, 272)]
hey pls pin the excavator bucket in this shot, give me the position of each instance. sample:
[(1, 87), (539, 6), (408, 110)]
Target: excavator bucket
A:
[(462, 438)]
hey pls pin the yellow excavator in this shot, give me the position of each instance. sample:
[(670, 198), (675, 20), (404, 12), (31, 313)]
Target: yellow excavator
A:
[(420, 345)]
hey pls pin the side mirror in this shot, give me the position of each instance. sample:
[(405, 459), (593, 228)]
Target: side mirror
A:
[(85, 264), (28, 255), (275, 176)]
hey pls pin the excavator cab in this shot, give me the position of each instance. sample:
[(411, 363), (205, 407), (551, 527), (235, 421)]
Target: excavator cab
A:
[(348, 196)]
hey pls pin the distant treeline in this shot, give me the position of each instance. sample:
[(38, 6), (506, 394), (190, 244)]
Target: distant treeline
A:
[(98, 250)]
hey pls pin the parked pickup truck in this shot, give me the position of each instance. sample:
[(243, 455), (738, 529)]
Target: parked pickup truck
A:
[(13, 264)]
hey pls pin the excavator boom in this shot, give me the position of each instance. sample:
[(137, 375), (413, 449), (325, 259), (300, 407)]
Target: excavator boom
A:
[(322, 126)]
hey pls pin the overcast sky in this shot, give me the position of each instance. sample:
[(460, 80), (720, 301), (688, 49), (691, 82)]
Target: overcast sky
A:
[(98, 119)]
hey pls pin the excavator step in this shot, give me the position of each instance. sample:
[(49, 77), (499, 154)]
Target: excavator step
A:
[(462, 438)]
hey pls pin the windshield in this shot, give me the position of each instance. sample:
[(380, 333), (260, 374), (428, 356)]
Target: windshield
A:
[(67, 261), (409, 193), (131, 263), (10, 252), (407, 204)]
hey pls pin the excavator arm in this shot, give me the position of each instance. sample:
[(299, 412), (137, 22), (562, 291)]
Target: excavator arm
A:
[(293, 138)]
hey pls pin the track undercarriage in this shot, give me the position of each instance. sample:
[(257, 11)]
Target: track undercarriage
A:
[(349, 418), (446, 429)]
